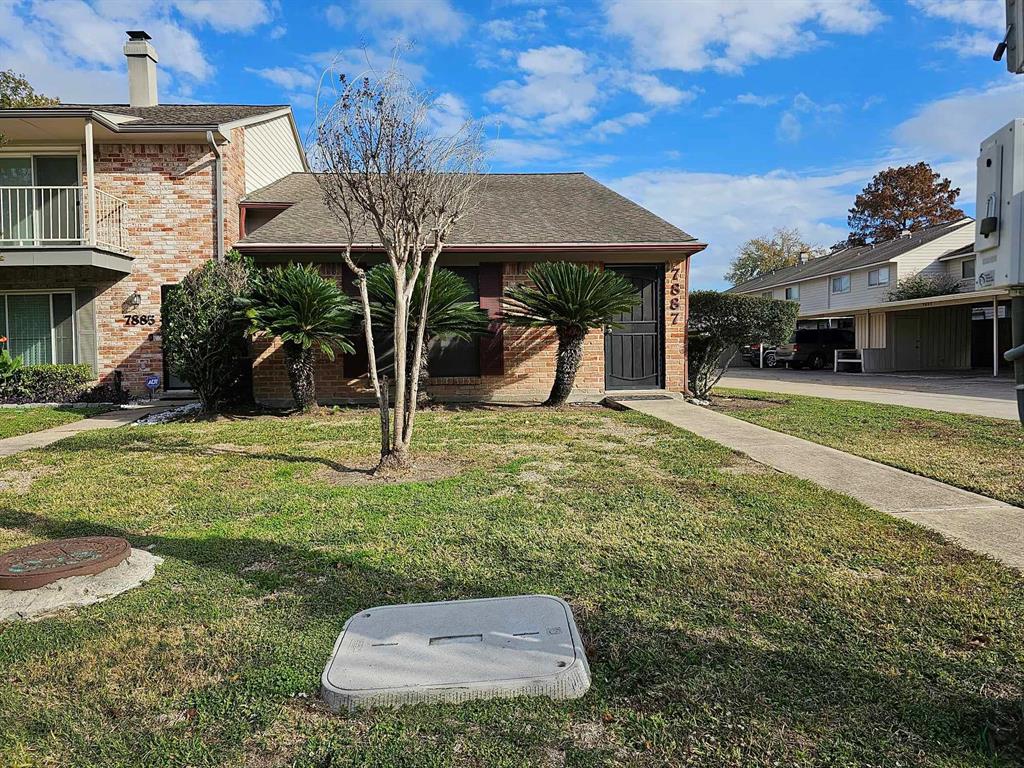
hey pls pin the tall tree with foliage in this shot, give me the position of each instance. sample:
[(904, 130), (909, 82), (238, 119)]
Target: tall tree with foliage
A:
[(17, 93), (453, 313), (391, 177), (309, 314), (769, 253), (907, 198), (723, 322), (203, 336), (572, 299)]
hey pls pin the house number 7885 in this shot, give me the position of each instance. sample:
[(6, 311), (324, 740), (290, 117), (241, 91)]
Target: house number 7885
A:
[(140, 319)]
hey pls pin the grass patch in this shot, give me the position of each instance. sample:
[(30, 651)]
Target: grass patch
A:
[(978, 453), (21, 421), (731, 618)]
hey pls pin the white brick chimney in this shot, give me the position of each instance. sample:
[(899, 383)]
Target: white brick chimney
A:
[(142, 62)]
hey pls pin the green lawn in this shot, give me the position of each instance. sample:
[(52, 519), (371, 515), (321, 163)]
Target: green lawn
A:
[(732, 617), (21, 421), (980, 454)]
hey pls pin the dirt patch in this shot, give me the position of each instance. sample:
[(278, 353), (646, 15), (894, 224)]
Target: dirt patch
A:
[(360, 471), (744, 466), (727, 404), (20, 480)]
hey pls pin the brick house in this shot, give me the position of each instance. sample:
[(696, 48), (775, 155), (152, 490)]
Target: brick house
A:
[(104, 205), (516, 220)]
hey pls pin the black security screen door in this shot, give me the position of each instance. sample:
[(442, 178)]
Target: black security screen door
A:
[(634, 351)]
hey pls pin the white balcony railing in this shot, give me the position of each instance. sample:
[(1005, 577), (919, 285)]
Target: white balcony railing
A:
[(41, 216)]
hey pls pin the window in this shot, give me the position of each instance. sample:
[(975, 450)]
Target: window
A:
[(767, 294), (878, 276), (454, 357), (967, 269), (793, 293), (841, 284), (40, 327)]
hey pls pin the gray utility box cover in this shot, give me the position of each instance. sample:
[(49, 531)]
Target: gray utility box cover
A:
[(455, 651)]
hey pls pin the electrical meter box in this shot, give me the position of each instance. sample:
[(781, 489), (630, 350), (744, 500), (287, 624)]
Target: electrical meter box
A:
[(999, 218)]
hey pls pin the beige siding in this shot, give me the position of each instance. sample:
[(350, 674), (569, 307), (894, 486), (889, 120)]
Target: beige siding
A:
[(954, 268), (813, 296), (925, 258), (270, 152)]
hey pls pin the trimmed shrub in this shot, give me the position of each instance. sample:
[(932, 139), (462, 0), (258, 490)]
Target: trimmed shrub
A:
[(723, 321), (202, 334), (924, 286), (46, 384)]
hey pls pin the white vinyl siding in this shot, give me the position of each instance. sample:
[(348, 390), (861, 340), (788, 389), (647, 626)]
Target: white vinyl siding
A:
[(271, 152), (925, 258)]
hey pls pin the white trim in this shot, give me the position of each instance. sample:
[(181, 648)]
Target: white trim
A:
[(254, 119)]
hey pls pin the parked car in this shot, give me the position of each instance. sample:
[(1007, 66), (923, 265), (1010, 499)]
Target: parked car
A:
[(751, 353), (814, 347)]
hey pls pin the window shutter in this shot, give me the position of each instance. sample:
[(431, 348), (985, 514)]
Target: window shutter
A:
[(358, 363), (492, 346), (85, 322)]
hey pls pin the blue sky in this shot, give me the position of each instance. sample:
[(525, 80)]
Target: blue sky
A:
[(726, 118)]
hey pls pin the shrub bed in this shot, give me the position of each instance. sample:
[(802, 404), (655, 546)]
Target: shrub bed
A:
[(46, 384)]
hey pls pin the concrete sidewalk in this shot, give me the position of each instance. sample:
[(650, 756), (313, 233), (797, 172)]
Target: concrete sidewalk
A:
[(977, 522), (117, 418), (978, 395)]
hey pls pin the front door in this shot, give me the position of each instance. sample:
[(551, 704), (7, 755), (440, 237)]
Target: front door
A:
[(634, 352), (907, 332)]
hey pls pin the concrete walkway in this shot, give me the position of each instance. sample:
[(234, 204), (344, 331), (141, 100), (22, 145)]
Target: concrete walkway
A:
[(118, 418), (977, 522), (974, 394)]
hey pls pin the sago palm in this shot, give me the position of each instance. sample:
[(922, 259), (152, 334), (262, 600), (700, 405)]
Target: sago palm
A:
[(452, 313), (572, 299), (308, 313)]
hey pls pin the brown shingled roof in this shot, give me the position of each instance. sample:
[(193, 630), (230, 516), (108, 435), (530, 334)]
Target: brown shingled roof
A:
[(183, 115), (527, 208)]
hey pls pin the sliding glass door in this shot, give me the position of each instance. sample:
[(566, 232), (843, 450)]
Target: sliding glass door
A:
[(17, 202), (39, 327), (40, 200)]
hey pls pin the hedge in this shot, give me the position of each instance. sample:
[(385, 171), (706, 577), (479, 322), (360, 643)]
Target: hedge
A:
[(46, 384)]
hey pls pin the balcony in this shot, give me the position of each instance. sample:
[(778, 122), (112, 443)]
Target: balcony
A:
[(34, 217), (52, 226)]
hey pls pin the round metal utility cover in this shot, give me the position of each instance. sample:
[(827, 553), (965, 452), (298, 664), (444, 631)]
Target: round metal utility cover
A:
[(40, 564)]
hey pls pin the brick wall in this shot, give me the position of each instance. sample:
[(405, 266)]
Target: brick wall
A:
[(529, 356), (169, 190)]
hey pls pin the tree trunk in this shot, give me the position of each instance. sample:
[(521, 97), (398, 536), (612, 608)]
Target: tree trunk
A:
[(570, 355), (299, 363)]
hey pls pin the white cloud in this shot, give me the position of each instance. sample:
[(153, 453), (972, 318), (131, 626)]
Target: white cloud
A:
[(422, 21), (356, 62), (725, 210), (289, 78), (557, 89), (521, 152), (658, 94), (947, 131), (725, 37), (234, 16), (336, 16), (980, 24), (754, 100), (617, 125), (276, 33), (448, 114), (804, 109), (531, 22)]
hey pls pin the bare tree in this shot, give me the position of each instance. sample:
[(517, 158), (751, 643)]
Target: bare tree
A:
[(399, 184)]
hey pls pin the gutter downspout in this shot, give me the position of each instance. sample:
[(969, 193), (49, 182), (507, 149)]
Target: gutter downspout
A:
[(218, 205)]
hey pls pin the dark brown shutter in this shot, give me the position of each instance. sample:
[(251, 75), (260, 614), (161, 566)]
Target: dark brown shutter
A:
[(492, 346), (358, 363)]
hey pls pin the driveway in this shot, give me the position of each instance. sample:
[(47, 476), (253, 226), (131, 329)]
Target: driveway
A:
[(983, 395)]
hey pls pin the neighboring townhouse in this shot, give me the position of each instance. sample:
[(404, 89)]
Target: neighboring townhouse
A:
[(850, 288), (103, 206), (516, 221)]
